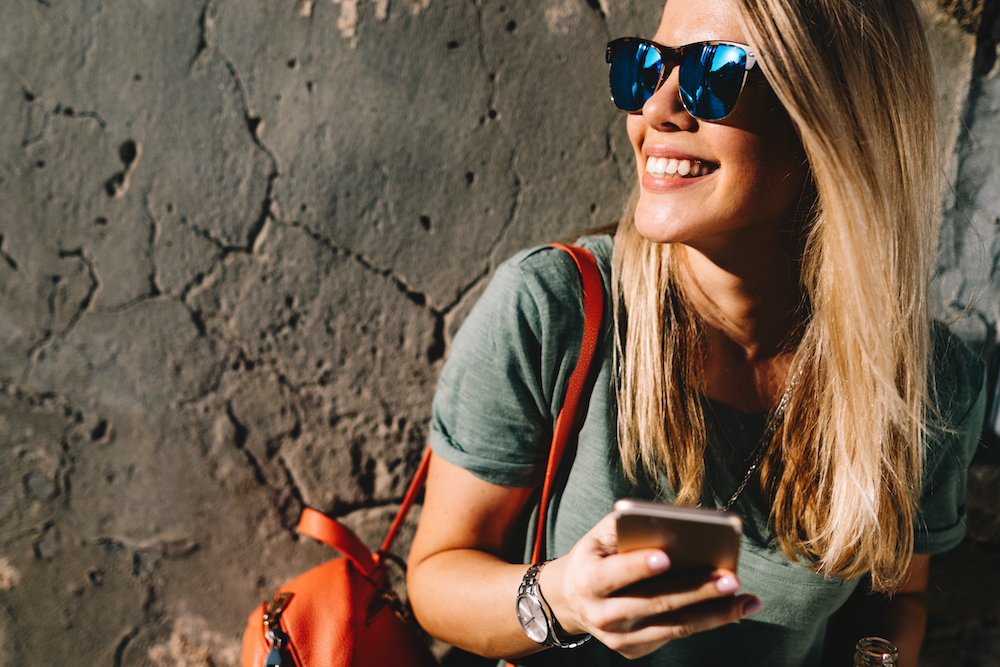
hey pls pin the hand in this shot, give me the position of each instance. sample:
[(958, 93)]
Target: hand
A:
[(619, 599)]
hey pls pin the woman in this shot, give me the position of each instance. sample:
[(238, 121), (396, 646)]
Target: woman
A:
[(771, 352)]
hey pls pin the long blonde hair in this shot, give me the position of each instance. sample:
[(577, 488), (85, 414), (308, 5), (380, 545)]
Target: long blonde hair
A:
[(843, 473)]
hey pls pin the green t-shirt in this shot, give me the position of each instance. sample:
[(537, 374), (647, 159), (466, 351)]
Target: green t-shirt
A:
[(503, 384)]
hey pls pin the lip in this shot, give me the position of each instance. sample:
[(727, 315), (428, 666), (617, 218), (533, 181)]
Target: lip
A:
[(659, 185), (664, 184)]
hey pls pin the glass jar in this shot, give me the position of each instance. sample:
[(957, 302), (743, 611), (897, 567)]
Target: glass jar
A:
[(875, 652)]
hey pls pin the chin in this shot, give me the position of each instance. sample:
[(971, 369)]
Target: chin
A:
[(658, 223)]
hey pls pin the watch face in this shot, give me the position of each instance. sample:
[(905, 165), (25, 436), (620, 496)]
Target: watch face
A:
[(532, 618)]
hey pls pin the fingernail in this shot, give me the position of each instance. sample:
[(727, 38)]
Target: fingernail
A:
[(751, 607), (727, 584), (658, 562)]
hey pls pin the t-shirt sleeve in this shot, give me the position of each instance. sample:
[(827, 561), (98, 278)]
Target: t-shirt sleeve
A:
[(952, 438), (502, 382)]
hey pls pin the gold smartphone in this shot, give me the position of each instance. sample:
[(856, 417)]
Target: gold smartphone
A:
[(693, 537)]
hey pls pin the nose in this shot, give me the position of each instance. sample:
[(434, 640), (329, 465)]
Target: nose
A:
[(664, 110)]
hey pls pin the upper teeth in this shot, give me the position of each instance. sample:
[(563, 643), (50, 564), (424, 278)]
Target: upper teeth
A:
[(661, 166)]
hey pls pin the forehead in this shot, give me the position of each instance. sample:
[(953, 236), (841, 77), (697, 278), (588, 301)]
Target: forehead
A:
[(687, 21)]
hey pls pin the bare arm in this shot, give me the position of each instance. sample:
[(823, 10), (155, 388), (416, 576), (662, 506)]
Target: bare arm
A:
[(463, 586), (901, 618), (459, 568), (905, 614)]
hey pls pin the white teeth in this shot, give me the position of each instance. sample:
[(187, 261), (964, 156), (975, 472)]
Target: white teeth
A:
[(659, 167)]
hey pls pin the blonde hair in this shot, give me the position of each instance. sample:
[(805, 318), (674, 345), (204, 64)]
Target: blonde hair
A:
[(843, 472)]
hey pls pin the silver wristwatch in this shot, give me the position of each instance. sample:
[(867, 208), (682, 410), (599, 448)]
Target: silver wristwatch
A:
[(536, 616)]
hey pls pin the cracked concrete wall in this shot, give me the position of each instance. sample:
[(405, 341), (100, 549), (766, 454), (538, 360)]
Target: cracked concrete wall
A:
[(236, 240)]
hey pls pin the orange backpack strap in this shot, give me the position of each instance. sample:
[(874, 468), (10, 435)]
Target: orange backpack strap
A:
[(321, 527), (570, 414), (411, 495)]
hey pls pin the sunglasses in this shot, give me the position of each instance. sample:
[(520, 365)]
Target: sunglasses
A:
[(712, 74)]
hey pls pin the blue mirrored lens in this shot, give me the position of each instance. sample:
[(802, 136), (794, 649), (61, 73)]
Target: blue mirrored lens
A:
[(711, 79), (635, 72)]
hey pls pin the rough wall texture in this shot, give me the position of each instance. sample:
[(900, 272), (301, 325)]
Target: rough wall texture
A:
[(236, 238)]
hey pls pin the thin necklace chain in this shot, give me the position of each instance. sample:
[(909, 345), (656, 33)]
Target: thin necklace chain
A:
[(773, 421)]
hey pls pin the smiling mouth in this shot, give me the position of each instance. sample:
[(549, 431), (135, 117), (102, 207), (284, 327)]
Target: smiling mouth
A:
[(661, 167)]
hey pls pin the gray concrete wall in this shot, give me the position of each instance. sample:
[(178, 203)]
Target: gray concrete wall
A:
[(236, 238)]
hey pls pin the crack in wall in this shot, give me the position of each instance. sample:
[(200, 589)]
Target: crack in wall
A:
[(238, 356), (240, 436), (205, 25), (119, 654), (65, 469), (225, 248), (293, 505), (87, 303), (148, 615), (199, 280), (116, 186), (70, 112), (154, 235), (85, 306), (74, 416), (5, 256), (59, 110), (286, 498), (515, 209), (32, 99), (437, 347), (493, 77), (417, 297), (253, 123), (21, 393)]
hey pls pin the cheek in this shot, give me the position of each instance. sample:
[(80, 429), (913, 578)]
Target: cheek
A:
[(784, 172), (635, 126)]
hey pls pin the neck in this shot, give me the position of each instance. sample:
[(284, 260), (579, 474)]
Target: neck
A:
[(749, 307)]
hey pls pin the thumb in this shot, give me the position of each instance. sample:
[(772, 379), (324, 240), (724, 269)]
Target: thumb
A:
[(602, 539)]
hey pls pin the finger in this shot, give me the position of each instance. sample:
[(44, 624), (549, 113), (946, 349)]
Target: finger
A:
[(603, 537), (667, 594), (705, 615), (659, 630), (724, 581), (618, 571)]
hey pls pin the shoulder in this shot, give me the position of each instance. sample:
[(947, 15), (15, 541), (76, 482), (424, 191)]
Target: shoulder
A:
[(546, 267), (540, 287), (502, 382)]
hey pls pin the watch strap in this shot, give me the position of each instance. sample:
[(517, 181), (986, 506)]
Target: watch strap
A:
[(530, 586)]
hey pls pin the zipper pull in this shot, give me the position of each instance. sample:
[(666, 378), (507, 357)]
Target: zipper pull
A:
[(274, 610), (276, 637), (278, 658)]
